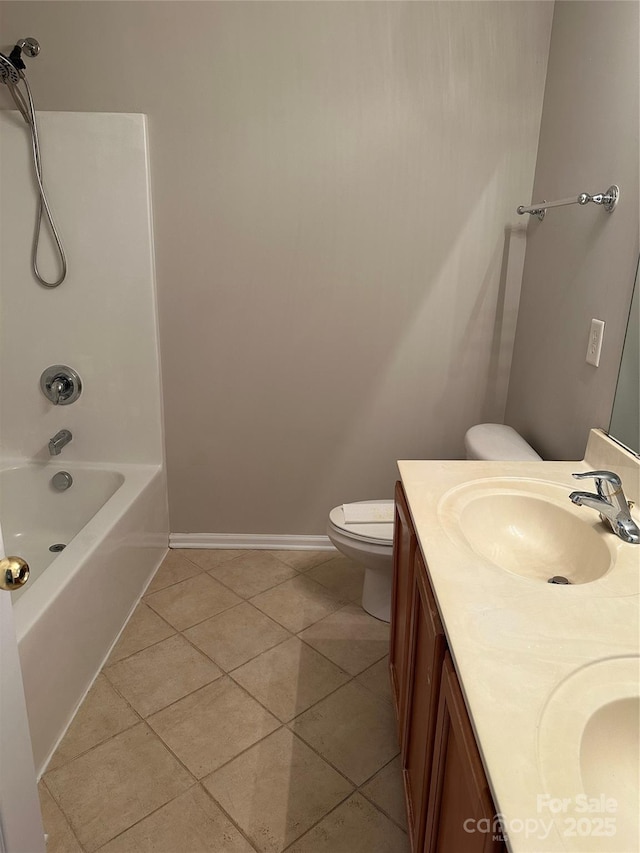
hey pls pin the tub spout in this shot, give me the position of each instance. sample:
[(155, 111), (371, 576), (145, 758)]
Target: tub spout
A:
[(58, 441)]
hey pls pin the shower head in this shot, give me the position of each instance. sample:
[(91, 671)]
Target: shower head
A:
[(9, 74)]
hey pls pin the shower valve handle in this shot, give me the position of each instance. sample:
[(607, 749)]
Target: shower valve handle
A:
[(60, 384), (58, 388)]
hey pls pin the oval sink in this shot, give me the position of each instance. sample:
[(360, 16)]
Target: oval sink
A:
[(529, 534), (589, 755), (610, 751)]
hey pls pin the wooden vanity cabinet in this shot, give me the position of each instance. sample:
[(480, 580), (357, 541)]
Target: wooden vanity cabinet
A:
[(444, 780), (404, 549), (460, 805), (427, 647)]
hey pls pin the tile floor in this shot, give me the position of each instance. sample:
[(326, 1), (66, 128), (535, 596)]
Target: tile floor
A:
[(246, 707)]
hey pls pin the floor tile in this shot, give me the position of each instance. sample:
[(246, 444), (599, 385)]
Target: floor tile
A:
[(157, 676), (354, 827), (212, 725), (61, 838), (192, 601), (175, 567), (377, 679), (351, 729), (342, 576), (252, 572), (298, 603), (289, 678), (192, 823), (237, 635), (277, 790), (143, 629), (207, 558), (302, 561), (386, 790), (116, 784), (102, 715), (350, 638)]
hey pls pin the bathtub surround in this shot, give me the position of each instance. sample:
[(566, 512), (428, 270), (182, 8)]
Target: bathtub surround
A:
[(102, 322), (332, 183)]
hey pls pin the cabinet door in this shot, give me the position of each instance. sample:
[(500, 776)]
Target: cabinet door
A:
[(427, 646), (404, 548), (459, 796)]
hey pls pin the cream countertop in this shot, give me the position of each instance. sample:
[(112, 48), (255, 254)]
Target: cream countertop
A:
[(515, 640)]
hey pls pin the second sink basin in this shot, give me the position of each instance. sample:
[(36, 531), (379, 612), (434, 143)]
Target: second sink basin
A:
[(527, 531), (589, 756)]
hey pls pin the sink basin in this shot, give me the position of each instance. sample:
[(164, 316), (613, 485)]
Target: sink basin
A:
[(589, 754), (529, 529)]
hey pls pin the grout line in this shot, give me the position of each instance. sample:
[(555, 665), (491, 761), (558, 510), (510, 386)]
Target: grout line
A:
[(373, 802), (106, 740), (147, 593), (172, 753), (229, 817), (343, 602), (122, 832), (137, 652), (304, 711), (210, 616), (253, 657), (62, 812), (311, 828), (197, 784), (351, 675)]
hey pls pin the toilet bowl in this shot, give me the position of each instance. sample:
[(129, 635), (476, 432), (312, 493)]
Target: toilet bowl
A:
[(371, 544)]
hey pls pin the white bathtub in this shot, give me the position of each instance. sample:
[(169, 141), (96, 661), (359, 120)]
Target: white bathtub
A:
[(113, 523)]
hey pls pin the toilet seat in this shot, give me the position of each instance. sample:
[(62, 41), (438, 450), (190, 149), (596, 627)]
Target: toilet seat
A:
[(376, 533)]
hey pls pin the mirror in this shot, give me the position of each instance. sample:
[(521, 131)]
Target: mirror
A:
[(625, 417)]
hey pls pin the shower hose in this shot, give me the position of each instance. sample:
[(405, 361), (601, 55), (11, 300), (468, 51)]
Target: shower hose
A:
[(28, 113)]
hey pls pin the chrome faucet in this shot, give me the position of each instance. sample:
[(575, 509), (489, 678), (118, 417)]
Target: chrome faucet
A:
[(58, 441), (610, 501)]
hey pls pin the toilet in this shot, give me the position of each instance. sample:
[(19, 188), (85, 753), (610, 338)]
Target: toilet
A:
[(371, 545), (370, 542)]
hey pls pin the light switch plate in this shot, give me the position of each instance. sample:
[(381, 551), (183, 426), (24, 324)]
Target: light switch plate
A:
[(594, 348)]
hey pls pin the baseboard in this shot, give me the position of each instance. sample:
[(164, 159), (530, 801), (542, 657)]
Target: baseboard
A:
[(252, 541)]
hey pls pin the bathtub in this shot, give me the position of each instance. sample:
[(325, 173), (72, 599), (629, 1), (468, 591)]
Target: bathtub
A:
[(113, 524)]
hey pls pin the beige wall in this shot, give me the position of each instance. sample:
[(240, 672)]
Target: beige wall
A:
[(331, 184), (580, 262)]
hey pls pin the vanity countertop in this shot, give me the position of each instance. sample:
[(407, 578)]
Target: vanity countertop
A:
[(517, 642)]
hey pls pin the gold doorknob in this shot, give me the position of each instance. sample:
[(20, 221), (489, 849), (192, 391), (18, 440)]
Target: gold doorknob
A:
[(14, 573)]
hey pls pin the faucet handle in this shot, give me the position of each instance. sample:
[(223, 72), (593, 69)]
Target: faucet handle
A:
[(601, 477)]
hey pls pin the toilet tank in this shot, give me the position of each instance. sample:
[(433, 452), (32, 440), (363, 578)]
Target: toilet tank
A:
[(497, 442)]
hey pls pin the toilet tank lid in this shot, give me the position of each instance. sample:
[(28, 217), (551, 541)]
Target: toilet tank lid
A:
[(498, 442)]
